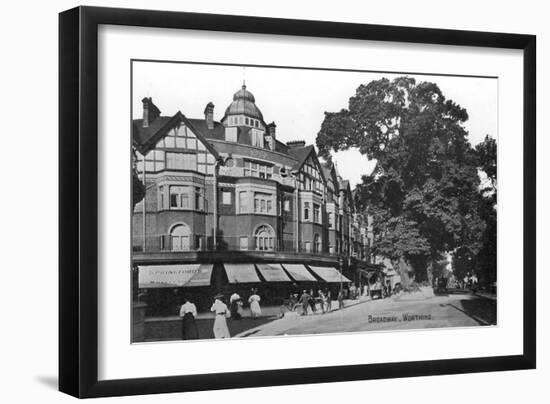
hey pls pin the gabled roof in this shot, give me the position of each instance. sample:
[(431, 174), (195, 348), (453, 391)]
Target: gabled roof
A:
[(302, 154), (330, 172), (145, 139)]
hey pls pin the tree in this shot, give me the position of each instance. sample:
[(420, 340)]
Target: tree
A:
[(422, 192), (486, 262)]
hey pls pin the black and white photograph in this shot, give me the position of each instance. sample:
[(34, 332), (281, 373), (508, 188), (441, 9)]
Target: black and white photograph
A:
[(278, 201)]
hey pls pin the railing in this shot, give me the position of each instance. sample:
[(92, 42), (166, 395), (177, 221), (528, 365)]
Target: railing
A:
[(165, 243)]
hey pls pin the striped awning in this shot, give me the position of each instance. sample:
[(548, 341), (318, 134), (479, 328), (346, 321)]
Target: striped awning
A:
[(329, 274), (299, 272), (173, 276), (241, 273), (273, 273)]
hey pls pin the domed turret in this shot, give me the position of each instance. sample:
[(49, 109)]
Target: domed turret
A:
[(244, 104)]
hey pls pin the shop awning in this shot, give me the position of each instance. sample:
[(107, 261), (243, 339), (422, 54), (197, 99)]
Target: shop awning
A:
[(241, 273), (273, 273), (202, 276), (173, 276), (329, 274), (299, 272)]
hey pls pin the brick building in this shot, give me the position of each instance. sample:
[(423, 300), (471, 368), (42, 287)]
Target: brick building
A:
[(228, 203)]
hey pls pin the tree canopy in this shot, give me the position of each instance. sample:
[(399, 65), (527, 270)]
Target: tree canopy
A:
[(423, 192)]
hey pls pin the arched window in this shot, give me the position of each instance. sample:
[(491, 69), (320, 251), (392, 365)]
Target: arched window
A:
[(316, 243), (180, 237), (265, 239)]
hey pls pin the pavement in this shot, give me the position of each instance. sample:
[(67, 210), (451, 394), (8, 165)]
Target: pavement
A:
[(458, 308), (394, 313)]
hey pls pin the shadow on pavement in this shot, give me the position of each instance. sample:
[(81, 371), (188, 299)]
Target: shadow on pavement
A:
[(170, 330), (484, 311)]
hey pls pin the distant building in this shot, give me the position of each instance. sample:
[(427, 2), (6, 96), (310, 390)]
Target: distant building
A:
[(230, 191)]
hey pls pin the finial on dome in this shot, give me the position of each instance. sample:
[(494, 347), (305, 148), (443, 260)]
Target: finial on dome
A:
[(244, 85)]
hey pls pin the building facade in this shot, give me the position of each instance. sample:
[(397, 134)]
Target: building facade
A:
[(230, 190)]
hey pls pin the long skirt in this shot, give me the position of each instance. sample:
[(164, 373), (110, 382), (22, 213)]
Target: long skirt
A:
[(189, 327), (255, 309), (220, 327), (235, 315)]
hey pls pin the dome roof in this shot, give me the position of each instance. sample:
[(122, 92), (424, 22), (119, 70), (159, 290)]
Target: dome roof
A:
[(244, 103)]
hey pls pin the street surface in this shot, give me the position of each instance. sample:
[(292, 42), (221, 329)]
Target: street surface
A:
[(394, 313)]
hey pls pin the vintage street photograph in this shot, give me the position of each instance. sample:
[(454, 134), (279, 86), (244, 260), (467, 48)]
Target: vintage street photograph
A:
[(284, 201)]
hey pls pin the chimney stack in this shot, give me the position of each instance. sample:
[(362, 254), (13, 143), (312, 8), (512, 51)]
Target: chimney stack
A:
[(271, 133), (150, 111), (209, 115)]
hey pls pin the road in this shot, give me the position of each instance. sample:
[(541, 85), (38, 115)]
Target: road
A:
[(395, 313)]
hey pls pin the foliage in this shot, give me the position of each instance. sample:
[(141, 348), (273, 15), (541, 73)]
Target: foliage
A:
[(486, 260), (422, 195)]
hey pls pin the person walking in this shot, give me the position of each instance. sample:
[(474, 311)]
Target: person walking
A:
[(254, 301), (188, 314), (323, 300), (220, 313), (329, 300), (304, 300), (341, 299), (312, 301), (235, 304)]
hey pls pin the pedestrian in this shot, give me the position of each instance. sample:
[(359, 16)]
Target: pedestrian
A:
[(235, 304), (220, 313), (341, 299), (323, 299), (188, 314), (292, 302), (304, 300), (254, 301), (312, 301), (329, 300)]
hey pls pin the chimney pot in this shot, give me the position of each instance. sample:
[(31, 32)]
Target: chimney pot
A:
[(209, 115)]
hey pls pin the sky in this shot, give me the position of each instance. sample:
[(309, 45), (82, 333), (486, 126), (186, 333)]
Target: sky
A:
[(296, 99)]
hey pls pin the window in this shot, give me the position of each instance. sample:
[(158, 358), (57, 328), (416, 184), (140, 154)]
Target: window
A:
[(264, 238), (181, 161), (262, 203), (198, 199), (330, 220), (306, 210), (257, 138), (317, 244), (286, 205), (316, 213), (180, 238), (198, 243), (161, 197), (154, 161), (243, 202), (226, 197), (244, 243), (246, 121), (308, 246), (253, 169), (179, 197)]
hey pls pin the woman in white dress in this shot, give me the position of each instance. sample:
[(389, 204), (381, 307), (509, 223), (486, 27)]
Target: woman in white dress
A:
[(254, 301), (220, 313)]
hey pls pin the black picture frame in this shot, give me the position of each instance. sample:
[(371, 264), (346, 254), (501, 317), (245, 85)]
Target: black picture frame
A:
[(78, 196)]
